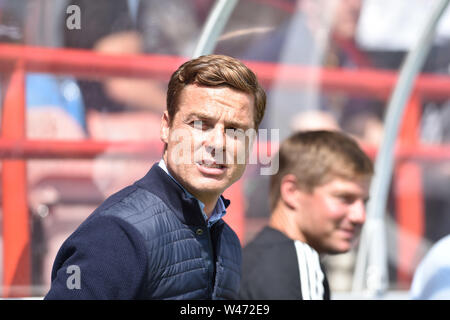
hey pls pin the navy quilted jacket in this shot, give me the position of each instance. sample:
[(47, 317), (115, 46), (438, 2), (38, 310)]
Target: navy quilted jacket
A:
[(148, 241)]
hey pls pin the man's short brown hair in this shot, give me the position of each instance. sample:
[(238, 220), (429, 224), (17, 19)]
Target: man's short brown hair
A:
[(317, 157), (215, 71)]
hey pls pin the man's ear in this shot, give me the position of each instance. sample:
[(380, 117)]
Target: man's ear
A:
[(165, 128), (289, 192)]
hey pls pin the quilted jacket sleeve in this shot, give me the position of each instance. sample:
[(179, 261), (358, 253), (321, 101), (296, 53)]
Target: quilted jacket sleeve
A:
[(105, 258)]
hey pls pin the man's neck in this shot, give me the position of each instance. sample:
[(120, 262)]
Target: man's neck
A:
[(283, 221), (209, 201), (209, 206)]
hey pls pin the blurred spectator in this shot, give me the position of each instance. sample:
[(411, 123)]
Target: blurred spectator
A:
[(45, 93), (314, 33), (435, 130), (387, 45), (106, 26), (67, 103), (54, 110), (314, 120), (365, 126), (252, 24), (432, 277), (317, 202), (134, 27)]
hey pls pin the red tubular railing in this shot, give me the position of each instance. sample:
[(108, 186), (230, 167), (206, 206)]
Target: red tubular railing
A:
[(80, 149), (82, 63), (16, 227), (408, 190), (88, 149), (15, 148)]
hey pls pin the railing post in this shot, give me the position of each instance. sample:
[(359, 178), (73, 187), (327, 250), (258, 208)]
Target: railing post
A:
[(16, 222), (408, 190)]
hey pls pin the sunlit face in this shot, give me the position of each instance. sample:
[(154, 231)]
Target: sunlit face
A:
[(331, 217), (203, 153)]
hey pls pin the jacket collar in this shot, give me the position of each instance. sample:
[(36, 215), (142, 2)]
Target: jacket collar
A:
[(185, 208)]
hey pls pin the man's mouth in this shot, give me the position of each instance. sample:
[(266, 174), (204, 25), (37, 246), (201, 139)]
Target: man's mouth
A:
[(349, 233), (211, 167)]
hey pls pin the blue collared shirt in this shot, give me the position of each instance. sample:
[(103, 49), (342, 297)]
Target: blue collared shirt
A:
[(219, 210)]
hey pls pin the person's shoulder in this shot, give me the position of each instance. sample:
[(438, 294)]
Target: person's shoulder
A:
[(123, 213), (432, 276), (103, 228), (267, 247), (269, 267), (110, 255), (443, 243), (267, 239), (131, 204), (438, 254)]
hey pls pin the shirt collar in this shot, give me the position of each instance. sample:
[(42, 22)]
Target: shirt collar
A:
[(219, 210)]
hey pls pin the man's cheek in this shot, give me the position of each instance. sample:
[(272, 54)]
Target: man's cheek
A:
[(334, 210), (242, 153), (237, 152), (200, 152), (181, 146)]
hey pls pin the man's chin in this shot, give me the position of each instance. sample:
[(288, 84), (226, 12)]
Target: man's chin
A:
[(209, 189), (206, 187), (339, 249)]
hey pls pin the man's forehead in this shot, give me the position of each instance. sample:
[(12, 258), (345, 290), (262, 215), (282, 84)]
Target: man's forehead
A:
[(233, 108), (358, 184)]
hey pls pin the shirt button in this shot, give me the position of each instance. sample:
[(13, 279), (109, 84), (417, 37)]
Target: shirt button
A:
[(199, 231)]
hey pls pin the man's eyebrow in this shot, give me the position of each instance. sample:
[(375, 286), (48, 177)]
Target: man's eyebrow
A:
[(199, 115), (208, 117), (236, 124)]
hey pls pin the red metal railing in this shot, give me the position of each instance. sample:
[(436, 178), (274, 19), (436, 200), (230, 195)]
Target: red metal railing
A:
[(15, 148), (16, 230)]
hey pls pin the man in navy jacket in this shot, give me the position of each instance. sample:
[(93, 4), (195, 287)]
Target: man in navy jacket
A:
[(163, 237)]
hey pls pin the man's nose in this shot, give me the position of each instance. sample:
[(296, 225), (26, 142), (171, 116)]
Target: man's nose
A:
[(215, 139), (358, 212)]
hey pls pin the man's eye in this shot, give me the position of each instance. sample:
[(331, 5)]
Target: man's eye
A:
[(234, 131), (346, 199), (198, 124)]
